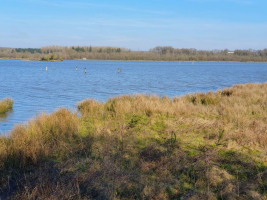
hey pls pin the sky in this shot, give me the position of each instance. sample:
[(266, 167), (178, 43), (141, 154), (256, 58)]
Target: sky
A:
[(134, 24)]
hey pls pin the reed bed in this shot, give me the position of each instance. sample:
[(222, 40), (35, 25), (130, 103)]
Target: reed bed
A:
[(198, 146), (6, 105)]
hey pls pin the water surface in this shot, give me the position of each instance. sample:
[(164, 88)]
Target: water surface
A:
[(34, 90)]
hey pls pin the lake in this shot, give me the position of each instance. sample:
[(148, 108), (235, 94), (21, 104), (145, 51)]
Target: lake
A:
[(34, 90)]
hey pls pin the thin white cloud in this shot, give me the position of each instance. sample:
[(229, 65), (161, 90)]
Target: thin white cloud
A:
[(111, 6), (245, 2), (45, 2), (135, 23)]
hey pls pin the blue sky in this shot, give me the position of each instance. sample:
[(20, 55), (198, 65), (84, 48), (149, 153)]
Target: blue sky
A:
[(135, 24)]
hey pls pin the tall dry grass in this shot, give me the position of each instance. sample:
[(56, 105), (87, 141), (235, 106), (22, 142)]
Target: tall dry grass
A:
[(47, 135), (6, 105), (199, 146), (240, 111)]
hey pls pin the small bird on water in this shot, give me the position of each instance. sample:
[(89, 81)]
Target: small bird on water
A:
[(76, 68), (84, 70)]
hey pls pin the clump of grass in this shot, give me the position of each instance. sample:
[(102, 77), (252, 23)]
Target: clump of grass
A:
[(205, 99), (47, 135), (6, 105), (227, 92), (200, 146)]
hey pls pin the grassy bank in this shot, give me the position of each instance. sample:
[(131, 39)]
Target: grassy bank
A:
[(199, 146), (6, 105)]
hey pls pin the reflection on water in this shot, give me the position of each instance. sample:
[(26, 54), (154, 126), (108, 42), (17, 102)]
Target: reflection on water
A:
[(34, 90), (4, 118)]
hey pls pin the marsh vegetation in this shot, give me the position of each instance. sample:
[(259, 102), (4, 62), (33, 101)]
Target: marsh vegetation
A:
[(6, 105), (198, 146)]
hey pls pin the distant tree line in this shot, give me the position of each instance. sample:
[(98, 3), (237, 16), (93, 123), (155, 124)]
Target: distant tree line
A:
[(30, 50), (159, 53), (101, 50)]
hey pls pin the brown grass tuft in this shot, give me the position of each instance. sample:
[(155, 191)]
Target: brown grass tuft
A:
[(6, 105), (46, 135)]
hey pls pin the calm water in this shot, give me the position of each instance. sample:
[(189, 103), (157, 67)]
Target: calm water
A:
[(35, 90)]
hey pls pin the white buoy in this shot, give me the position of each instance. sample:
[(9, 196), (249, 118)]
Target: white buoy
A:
[(76, 68), (46, 68), (85, 70)]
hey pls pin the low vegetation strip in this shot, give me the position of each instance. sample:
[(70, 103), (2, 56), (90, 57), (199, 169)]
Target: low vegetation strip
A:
[(159, 53), (6, 105), (199, 146)]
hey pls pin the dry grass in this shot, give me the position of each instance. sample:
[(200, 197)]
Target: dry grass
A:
[(6, 105), (44, 136), (199, 146)]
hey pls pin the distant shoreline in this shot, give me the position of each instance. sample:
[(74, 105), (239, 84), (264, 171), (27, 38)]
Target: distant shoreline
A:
[(133, 60), (159, 53)]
